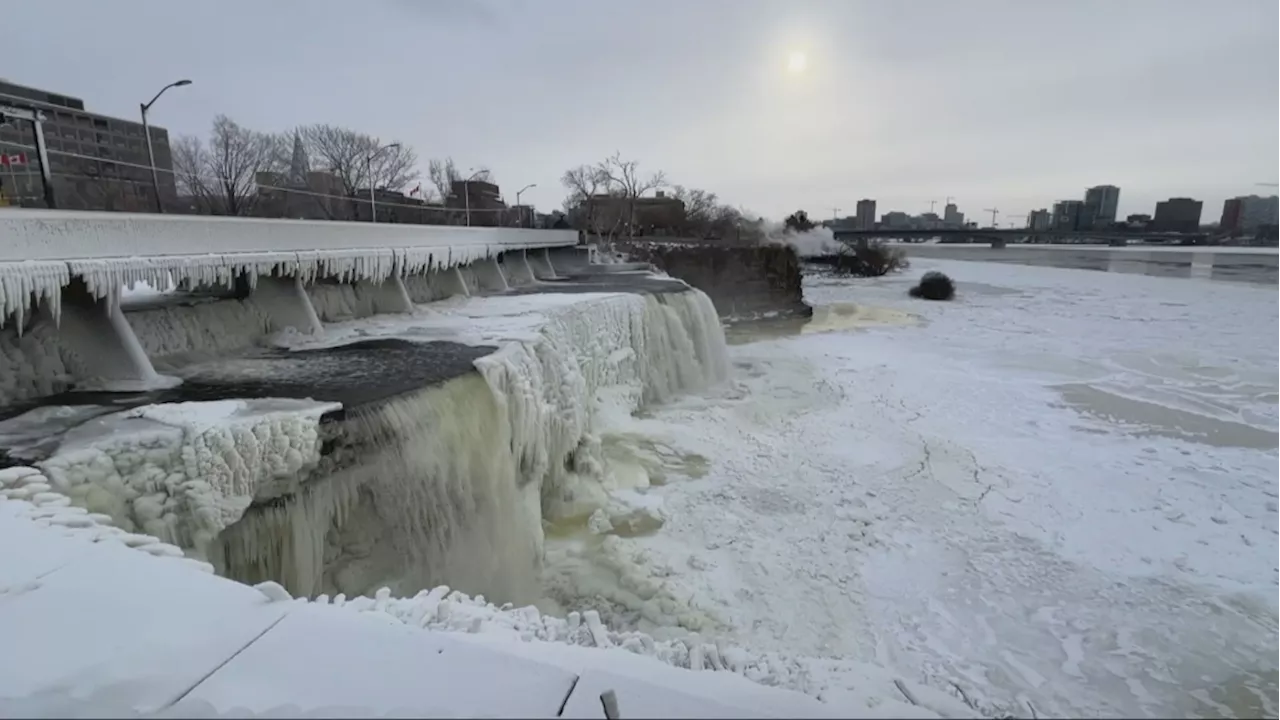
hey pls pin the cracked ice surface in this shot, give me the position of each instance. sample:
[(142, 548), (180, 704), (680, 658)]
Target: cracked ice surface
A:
[(935, 499)]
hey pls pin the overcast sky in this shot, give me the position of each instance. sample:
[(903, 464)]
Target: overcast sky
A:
[(1010, 104)]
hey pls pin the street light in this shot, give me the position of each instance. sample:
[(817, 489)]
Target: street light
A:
[(151, 153), (466, 191), (518, 192), (368, 167)]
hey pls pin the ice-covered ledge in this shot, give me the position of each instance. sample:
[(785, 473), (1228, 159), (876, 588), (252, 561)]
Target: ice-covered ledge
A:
[(63, 235), (71, 268)]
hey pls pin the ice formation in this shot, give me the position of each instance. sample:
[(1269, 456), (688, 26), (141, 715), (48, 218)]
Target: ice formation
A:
[(417, 488), (21, 282), (452, 483), (39, 501), (183, 472)]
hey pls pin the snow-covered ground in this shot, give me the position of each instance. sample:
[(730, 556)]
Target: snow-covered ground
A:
[(1055, 495)]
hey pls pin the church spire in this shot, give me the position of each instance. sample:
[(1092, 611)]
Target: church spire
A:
[(299, 165)]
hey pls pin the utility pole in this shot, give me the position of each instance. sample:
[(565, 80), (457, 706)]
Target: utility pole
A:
[(146, 132), (993, 212), (518, 193), (466, 192), (368, 169)]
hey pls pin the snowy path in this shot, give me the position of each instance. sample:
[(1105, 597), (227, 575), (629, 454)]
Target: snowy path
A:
[(949, 496)]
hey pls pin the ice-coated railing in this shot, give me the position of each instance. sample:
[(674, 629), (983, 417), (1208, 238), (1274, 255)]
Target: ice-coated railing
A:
[(41, 251), (63, 235)]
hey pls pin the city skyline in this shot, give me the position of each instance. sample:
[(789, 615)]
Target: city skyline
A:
[(718, 103)]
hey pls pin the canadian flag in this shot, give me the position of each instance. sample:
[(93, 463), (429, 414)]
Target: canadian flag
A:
[(7, 160), (416, 190)]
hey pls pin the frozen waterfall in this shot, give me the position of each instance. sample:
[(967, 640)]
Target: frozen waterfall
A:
[(447, 484)]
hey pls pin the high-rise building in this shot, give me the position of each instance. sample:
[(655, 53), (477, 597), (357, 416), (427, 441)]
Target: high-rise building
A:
[(952, 217), (1067, 215), (1040, 219), (97, 162), (1100, 205), (1232, 214), (1247, 212), (866, 217), (895, 220), (1177, 215)]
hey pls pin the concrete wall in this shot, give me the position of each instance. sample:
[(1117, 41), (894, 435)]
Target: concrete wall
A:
[(743, 282), (1257, 265)]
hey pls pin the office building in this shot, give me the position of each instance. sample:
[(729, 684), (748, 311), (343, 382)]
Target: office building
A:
[(97, 162), (1040, 219), (1245, 214), (1100, 205), (866, 215), (952, 217), (1177, 215), (1067, 215), (895, 220)]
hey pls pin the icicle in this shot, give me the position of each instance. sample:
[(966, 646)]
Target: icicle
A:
[(25, 283)]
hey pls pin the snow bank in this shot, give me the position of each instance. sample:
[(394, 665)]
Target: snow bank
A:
[(27, 493), (644, 672), (183, 472)]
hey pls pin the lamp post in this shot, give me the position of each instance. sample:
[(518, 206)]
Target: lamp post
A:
[(151, 153), (518, 193), (466, 192), (368, 169)]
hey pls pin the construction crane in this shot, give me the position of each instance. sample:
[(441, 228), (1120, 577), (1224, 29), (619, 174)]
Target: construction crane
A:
[(1267, 184), (835, 214), (993, 212)]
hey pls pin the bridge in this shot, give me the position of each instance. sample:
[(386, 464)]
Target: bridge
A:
[(71, 267), (998, 236)]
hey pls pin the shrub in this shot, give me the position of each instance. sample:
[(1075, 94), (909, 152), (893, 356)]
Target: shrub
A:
[(871, 260), (934, 286)]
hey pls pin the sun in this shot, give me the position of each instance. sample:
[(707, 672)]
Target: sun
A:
[(797, 62)]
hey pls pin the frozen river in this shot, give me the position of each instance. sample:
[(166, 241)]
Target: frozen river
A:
[(1055, 495)]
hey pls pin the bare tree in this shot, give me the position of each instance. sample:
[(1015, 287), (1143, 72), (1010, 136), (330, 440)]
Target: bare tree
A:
[(443, 174), (346, 154), (701, 210), (624, 180), (586, 204), (220, 174), (190, 171)]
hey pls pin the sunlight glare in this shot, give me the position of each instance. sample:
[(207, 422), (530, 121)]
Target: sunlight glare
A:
[(797, 62)]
